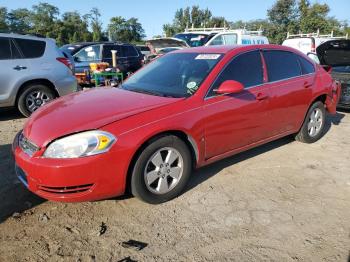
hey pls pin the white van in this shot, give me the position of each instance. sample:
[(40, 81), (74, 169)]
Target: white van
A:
[(307, 43), (221, 36)]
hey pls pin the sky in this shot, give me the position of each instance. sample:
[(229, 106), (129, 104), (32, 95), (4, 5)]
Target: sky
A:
[(154, 13)]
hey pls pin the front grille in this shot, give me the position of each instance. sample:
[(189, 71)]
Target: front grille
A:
[(65, 190), (28, 147)]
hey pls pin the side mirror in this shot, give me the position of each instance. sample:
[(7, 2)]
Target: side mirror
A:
[(76, 59), (229, 87)]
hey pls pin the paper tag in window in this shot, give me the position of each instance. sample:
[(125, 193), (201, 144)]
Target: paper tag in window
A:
[(207, 57), (191, 85)]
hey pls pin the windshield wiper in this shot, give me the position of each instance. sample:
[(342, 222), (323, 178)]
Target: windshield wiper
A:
[(148, 92)]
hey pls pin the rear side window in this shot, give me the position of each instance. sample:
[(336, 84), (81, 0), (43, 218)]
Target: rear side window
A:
[(281, 65), (107, 51), (306, 66), (5, 50), (31, 48), (131, 51), (245, 68)]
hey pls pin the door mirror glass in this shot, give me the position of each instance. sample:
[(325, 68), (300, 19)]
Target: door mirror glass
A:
[(229, 87), (314, 57)]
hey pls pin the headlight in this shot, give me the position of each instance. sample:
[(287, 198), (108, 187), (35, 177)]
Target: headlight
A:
[(79, 145)]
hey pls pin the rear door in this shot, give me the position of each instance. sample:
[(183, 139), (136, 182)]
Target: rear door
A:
[(237, 120), (13, 68), (291, 78)]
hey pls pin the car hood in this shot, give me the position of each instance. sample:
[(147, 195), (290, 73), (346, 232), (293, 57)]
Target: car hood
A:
[(334, 53), (155, 45), (87, 110)]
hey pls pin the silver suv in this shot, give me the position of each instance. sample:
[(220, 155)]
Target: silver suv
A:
[(33, 71)]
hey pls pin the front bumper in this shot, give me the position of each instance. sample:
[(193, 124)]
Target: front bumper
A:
[(71, 180)]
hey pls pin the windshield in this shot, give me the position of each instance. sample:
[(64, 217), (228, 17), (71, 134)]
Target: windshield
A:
[(194, 40), (173, 75)]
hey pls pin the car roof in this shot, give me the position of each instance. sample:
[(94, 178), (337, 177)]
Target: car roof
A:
[(24, 36), (223, 49)]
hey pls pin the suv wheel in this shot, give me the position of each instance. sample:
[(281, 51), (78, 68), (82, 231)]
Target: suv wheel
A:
[(314, 124), (162, 170), (33, 97)]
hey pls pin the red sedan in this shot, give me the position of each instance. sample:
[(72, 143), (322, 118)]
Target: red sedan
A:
[(185, 110)]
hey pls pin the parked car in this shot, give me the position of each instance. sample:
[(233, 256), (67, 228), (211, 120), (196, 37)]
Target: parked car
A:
[(33, 72), (336, 54), (187, 109), (144, 49), (129, 57), (307, 43), (195, 37), (161, 46), (74, 48)]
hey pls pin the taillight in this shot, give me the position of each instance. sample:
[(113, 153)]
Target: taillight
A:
[(65, 61)]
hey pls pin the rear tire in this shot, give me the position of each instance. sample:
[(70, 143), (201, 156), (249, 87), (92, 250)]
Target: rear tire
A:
[(162, 170), (33, 97), (314, 124)]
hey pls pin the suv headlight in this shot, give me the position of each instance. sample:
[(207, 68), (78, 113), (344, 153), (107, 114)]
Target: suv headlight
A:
[(80, 145)]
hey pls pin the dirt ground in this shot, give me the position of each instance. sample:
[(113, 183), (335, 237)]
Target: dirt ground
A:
[(284, 201)]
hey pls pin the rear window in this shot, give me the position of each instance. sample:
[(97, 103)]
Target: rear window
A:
[(31, 48), (5, 50), (306, 66), (281, 65)]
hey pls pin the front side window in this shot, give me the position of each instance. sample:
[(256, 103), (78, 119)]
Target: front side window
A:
[(31, 48), (5, 50), (246, 68), (173, 75), (89, 54), (131, 51), (281, 65)]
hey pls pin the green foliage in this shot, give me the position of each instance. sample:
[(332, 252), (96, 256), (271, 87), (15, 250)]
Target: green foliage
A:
[(123, 30), (3, 18), (284, 16), (45, 19)]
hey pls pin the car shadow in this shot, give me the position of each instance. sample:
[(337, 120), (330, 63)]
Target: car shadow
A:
[(204, 173), (9, 114), (14, 197)]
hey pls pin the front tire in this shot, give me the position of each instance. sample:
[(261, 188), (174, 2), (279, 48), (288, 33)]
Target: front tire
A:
[(162, 170), (314, 124), (33, 97)]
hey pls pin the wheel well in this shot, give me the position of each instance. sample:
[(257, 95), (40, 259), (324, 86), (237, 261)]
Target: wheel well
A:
[(180, 134), (36, 81), (321, 98)]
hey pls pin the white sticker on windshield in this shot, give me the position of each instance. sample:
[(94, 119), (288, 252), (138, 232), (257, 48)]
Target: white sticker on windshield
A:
[(191, 85), (207, 57)]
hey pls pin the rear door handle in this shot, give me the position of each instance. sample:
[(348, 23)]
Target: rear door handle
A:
[(261, 96), (307, 84), (18, 68)]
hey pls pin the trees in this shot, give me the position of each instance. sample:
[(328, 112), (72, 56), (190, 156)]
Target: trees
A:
[(3, 18), (96, 24), (283, 17), (120, 29)]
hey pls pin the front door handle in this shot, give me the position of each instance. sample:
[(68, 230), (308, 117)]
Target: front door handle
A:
[(261, 96), (19, 68)]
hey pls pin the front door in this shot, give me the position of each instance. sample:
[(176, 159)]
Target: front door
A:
[(237, 120)]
